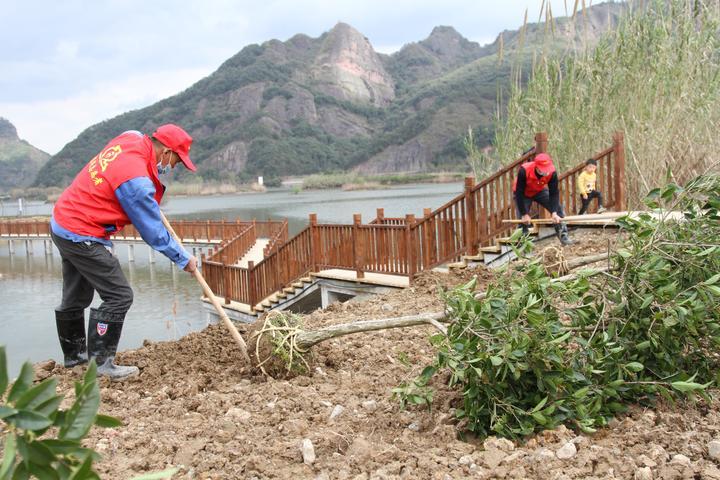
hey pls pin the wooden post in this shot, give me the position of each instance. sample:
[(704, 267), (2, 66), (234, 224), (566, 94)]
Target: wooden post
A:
[(619, 172), (541, 142), (410, 245), (380, 216), (471, 221), (252, 295), (428, 237), (226, 278), (208, 230), (314, 243), (358, 246)]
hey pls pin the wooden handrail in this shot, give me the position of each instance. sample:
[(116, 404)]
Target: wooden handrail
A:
[(391, 245)]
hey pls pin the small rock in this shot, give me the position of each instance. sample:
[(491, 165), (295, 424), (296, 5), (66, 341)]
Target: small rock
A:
[(544, 455), (567, 451), (323, 476), (466, 460), (387, 308), (308, 452), (680, 459), (370, 405), (502, 444), (270, 405), (646, 461), (238, 414), (714, 449), (325, 403), (320, 372), (414, 427), (336, 412), (658, 454), (643, 473), (492, 458), (711, 472)]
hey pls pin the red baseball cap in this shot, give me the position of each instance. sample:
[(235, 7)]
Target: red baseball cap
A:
[(544, 163), (177, 140)]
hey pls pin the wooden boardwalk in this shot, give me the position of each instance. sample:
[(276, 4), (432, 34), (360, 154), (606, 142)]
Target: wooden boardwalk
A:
[(388, 251)]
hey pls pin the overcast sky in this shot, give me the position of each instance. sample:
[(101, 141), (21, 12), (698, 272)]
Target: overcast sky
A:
[(66, 65)]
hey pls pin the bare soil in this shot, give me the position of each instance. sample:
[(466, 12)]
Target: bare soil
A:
[(195, 406)]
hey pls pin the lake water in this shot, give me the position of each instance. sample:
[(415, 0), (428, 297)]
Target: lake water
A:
[(167, 301)]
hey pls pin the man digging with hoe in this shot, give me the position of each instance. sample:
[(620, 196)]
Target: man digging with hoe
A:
[(118, 186)]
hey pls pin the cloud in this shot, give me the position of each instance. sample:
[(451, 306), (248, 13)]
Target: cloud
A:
[(50, 124)]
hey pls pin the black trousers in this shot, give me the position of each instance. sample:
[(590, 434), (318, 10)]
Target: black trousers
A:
[(586, 201), (543, 198), (89, 267)]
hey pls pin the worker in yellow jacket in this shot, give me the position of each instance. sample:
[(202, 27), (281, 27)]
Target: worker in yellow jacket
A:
[(586, 187)]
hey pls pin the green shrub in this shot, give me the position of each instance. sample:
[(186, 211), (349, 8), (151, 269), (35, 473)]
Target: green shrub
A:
[(40, 439), (535, 352)]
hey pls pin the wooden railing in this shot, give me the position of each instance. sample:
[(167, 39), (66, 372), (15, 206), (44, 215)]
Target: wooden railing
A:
[(231, 251), (406, 246), (195, 230), (610, 180), (397, 246), (277, 239), (25, 227)]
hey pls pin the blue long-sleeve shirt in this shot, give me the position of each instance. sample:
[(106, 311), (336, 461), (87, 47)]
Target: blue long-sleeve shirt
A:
[(137, 198)]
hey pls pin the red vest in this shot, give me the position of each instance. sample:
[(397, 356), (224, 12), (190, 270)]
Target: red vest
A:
[(533, 183), (89, 206)]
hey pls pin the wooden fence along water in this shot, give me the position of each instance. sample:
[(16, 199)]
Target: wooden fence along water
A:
[(407, 246), (396, 246)]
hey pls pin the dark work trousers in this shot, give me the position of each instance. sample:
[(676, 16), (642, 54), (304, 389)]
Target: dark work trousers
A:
[(543, 198), (590, 197), (88, 267)]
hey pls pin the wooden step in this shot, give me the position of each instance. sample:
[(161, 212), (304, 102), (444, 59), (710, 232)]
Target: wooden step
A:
[(259, 308), (457, 265), (298, 285), (281, 295), (473, 258), (289, 290), (306, 280), (491, 249), (266, 303)]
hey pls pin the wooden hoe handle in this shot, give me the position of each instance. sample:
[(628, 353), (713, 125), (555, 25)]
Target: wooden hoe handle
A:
[(209, 294)]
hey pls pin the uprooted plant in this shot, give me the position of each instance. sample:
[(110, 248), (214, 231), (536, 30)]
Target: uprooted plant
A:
[(533, 352)]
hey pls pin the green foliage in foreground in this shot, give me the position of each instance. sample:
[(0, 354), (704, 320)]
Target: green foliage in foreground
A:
[(39, 439), (29, 412), (536, 352)]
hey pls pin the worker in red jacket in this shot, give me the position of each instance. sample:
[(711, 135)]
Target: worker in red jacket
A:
[(120, 185), (537, 181)]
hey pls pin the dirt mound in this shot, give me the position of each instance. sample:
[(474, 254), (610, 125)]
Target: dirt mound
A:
[(197, 406)]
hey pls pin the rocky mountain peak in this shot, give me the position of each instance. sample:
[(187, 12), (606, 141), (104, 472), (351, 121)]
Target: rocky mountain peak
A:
[(447, 42), (7, 130), (348, 68)]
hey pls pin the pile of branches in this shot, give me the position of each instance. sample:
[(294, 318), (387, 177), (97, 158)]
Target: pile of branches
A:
[(535, 352)]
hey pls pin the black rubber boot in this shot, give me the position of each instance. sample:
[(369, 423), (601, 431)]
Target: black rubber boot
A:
[(562, 232), (104, 332), (71, 332)]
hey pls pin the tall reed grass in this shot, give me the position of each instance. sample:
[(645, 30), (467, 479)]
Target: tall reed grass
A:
[(656, 77)]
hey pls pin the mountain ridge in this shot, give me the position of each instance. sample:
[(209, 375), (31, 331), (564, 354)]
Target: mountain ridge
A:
[(19, 160), (331, 103)]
